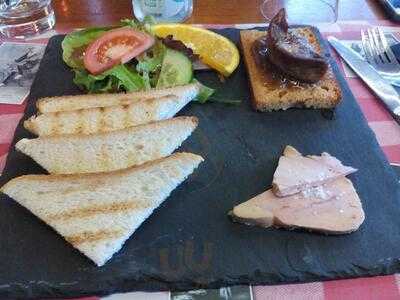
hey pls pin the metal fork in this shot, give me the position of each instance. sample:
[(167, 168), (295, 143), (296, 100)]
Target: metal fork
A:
[(379, 54)]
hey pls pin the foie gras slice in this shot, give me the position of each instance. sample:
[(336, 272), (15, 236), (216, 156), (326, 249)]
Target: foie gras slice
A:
[(296, 173), (332, 208)]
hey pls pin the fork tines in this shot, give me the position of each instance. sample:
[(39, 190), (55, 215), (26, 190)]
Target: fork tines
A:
[(376, 47)]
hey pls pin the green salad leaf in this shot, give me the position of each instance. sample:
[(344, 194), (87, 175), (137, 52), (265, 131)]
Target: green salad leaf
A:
[(225, 101), (151, 60), (130, 23), (145, 25), (120, 76), (149, 64), (205, 92)]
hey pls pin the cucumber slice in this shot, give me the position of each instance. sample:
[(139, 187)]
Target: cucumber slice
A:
[(176, 69)]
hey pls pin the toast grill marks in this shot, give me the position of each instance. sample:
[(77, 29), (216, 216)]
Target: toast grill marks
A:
[(101, 152), (91, 237), (68, 103), (96, 213), (90, 211), (105, 119), (100, 224)]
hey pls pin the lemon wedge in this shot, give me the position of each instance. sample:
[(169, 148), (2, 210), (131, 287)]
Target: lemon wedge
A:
[(215, 50)]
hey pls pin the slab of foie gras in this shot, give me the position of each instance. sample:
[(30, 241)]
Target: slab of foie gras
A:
[(331, 207), (296, 173)]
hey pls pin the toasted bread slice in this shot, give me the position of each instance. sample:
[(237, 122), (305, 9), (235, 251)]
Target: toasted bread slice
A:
[(334, 208), (97, 213), (104, 119), (68, 103), (325, 93), (103, 152)]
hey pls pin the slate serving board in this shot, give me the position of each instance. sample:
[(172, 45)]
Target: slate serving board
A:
[(189, 242)]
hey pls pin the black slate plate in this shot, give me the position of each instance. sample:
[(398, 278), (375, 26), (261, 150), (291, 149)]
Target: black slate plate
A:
[(189, 242)]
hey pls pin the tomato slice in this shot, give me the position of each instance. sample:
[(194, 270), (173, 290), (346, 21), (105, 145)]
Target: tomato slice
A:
[(114, 47)]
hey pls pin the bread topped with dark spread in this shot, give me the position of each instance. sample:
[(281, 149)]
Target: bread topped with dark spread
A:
[(276, 88)]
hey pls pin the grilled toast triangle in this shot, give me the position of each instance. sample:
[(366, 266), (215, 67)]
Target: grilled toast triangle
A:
[(105, 119), (97, 213), (75, 102), (103, 152)]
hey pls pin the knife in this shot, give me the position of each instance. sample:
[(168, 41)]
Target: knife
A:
[(382, 88)]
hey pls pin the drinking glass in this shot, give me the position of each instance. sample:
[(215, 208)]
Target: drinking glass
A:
[(23, 18), (163, 11), (302, 12)]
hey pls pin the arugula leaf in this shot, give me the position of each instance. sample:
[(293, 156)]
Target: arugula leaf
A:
[(130, 23), (129, 79), (225, 101), (120, 76), (204, 93), (151, 60), (145, 25), (149, 64), (75, 43)]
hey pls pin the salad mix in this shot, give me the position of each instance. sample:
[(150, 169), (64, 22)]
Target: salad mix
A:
[(128, 57)]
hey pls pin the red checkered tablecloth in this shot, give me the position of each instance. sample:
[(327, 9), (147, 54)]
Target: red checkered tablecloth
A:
[(388, 135)]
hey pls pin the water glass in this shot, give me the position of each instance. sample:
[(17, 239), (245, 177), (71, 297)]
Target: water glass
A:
[(23, 18), (163, 11), (302, 12)]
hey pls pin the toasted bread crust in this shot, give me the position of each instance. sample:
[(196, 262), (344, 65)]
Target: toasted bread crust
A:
[(131, 129), (100, 175), (324, 94), (97, 213), (75, 102), (105, 119), (107, 151)]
